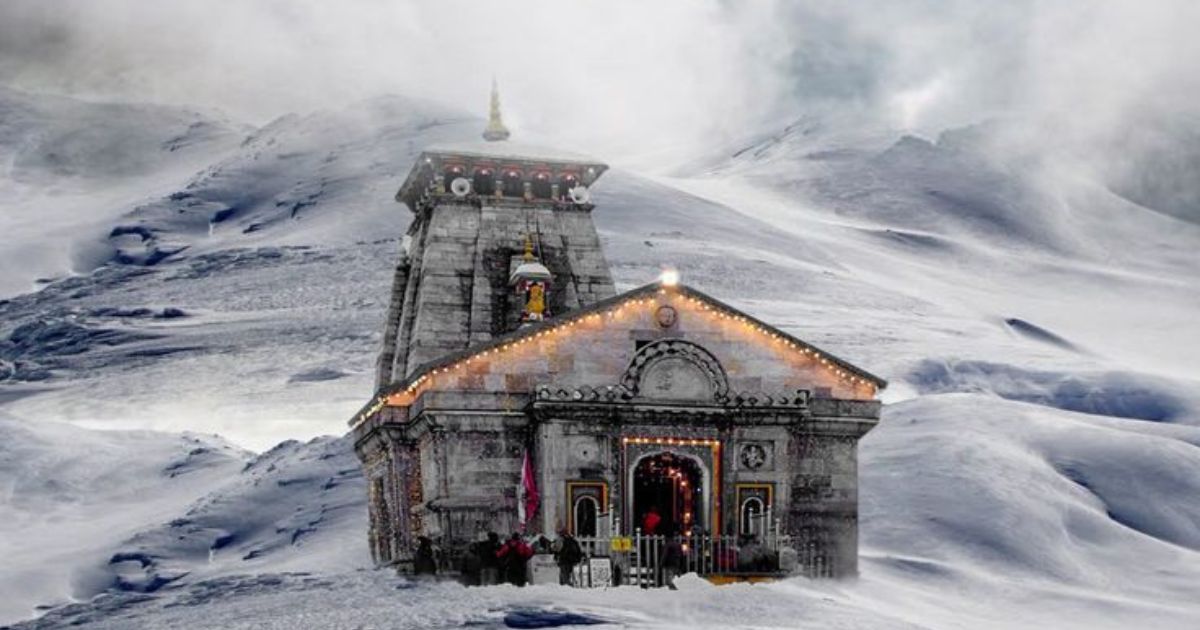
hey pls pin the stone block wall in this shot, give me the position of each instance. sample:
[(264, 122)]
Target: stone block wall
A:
[(572, 451), (470, 468), (822, 511), (455, 283), (775, 471)]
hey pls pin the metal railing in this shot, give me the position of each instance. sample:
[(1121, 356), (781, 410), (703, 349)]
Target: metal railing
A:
[(653, 561)]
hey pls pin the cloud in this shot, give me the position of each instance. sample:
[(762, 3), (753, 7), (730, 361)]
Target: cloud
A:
[(625, 77), (583, 70)]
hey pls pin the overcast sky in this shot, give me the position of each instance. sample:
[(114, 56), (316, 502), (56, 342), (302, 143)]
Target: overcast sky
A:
[(604, 72)]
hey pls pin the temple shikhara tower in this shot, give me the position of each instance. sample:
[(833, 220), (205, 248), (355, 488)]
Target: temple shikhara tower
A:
[(518, 392)]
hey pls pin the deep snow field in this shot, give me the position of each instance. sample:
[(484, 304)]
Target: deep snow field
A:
[(188, 303)]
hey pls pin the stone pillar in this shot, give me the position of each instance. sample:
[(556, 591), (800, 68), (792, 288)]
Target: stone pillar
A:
[(408, 309), (387, 468), (391, 326)]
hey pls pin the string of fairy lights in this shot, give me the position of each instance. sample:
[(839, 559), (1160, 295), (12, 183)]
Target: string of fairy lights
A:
[(659, 441), (616, 312)]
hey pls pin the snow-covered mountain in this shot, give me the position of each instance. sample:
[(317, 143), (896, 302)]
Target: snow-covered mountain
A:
[(68, 168), (69, 497), (134, 511), (1039, 452)]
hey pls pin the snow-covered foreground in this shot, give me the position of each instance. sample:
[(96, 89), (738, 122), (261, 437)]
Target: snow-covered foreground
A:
[(379, 599), (372, 599)]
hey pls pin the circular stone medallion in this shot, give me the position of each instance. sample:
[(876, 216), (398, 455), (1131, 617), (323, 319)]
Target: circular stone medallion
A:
[(753, 456), (666, 316)]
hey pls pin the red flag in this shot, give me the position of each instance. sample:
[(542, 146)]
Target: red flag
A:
[(527, 494)]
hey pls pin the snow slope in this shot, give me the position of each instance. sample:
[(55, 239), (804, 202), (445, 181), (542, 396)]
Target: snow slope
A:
[(290, 508), (976, 512), (67, 167), (980, 226), (325, 178), (70, 495), (1074, 519), (1037, 463), (135, 511)]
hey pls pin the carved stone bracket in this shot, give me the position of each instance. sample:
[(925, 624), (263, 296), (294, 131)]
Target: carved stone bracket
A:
[(620, 394), (604, 393)]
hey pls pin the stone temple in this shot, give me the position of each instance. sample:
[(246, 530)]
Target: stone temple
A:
[(510, 366)]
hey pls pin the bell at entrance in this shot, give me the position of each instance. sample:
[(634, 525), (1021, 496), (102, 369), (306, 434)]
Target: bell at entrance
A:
[(668, 496)]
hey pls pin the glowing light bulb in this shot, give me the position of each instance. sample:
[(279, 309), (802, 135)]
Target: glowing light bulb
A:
[(669, 278)]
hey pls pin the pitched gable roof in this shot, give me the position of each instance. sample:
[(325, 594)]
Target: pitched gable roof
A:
[(411, 385)]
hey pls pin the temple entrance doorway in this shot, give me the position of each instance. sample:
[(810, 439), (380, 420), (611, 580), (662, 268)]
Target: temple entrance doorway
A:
[(668, 494)]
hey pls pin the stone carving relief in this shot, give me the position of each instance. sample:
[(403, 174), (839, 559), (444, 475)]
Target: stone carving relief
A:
[(584, 451), (675, 369), (675, 378), (753, 456), (666, 316)]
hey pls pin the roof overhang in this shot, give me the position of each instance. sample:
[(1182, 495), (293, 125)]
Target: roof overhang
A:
[(527, 158), (410, 385)]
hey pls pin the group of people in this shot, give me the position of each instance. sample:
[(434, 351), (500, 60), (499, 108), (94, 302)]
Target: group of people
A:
[(490, 561)]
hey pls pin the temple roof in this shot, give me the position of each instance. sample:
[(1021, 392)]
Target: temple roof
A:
[(508, 150), (493, 154), (497, 344)]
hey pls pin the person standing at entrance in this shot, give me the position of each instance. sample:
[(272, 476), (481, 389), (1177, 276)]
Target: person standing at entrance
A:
[(489, 572), (514, 557), (425, 562), (651, 521), (672, 559), (471, 566), (568, 555)]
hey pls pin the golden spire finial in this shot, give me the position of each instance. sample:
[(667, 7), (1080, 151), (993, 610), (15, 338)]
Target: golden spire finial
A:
[(495, 128), (528, 248)]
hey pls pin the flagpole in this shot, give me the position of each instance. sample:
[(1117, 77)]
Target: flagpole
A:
[(527, 493)]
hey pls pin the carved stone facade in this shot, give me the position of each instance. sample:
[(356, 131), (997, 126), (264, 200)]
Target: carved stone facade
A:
[(609, 397)]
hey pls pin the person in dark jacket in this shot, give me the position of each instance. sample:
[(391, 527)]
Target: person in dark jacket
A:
[(568, 555), (489, 571), (673, 559), (472, 565), (514, 556), (424, 563)]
